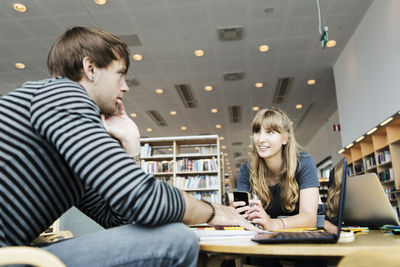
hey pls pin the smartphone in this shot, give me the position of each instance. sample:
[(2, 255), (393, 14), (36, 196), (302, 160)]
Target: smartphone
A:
[(241, 196)]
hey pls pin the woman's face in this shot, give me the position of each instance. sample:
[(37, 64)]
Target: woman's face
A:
[(269, 143)]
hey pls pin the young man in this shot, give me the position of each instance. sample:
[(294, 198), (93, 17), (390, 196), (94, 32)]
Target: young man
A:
[(56, 152)]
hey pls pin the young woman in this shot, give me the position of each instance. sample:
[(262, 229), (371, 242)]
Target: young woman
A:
[(283, 178)]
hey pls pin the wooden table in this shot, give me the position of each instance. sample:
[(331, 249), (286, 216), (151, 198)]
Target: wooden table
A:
[(214, 251)]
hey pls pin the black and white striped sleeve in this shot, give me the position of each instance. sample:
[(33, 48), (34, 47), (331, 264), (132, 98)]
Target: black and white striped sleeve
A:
[(118, 191)]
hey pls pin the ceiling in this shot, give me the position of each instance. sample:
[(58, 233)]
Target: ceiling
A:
[(170, 30)]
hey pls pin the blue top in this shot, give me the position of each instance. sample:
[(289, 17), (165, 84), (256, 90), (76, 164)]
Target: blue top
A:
[(306, 177)]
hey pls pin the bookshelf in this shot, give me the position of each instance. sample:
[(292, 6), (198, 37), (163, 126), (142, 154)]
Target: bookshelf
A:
[(191, 163), (379, 152)]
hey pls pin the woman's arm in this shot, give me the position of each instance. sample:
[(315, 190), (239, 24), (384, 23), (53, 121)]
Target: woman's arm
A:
[(307, 216)]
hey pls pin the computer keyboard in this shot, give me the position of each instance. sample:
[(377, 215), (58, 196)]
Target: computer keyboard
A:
[(295, 237)]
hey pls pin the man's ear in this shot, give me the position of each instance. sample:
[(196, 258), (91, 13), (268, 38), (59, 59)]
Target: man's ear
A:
[(88, 68)]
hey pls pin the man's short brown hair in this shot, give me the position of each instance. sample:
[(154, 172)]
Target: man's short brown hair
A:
[(67, 53)]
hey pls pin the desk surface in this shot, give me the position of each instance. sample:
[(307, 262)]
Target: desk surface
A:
[(374, 240)]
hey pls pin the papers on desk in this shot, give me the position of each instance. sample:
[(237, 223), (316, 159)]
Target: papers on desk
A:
[(222, 234)]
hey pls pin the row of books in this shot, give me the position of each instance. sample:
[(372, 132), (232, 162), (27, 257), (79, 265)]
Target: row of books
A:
[(207, 150), (350, 171), (369, 162), (358, 168), (157, 166), (386, 175), (146, 150), (383, 157), (210, 196), (189, 165), (389, 194), (197, 182)]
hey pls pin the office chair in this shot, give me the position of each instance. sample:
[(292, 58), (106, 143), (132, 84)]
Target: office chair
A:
[(28, 255)]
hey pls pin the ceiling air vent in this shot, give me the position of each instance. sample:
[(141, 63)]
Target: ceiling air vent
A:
[(237, 143), (186, 94), (282, 88), (230, 33), (156, 117), (131, 39), (237, 154), (235, 114), (132, 82), (233, 76)]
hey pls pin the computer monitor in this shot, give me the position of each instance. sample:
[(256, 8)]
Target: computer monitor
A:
[(367, 203)]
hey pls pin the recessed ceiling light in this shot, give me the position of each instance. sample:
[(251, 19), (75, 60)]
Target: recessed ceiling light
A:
[(258, 85), (214, 110), (170, 149), (20, 7), (311, 82), (133, 115), (386, 121), (331, 43), (225, 154), (221, 138), (360, 138), (349, 145), (256, 108), (208, 88), (149, 129), (251, 146), (218, 126), (249, 153), (291, 123), (159, 91), (197, 148), (299, 106), (183, 128), (263, 48), (173, 112), (372, 130), (20, 65), (223, 147), (199, 53), (137, 57), (341, 151), (100, 2)]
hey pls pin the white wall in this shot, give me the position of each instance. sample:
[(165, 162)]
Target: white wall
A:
[(368, 70), (326, 143)]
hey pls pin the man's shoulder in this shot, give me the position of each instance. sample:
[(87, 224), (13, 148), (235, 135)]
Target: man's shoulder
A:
[(49, 81)]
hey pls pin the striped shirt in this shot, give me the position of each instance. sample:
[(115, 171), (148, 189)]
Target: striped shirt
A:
[(55, 154)]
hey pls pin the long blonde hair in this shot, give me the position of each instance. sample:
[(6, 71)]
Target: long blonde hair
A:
[(333, 198), (260, 175)]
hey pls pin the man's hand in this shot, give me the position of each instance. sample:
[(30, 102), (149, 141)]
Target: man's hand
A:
[(122, 128), (225, 215)]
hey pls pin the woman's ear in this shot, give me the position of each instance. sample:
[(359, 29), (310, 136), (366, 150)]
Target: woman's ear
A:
[(88, 68), (285, 140)]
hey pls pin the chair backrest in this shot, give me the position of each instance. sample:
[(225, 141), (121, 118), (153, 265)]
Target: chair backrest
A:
[(28, 255)]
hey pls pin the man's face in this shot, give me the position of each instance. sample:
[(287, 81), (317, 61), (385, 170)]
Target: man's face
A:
[(109, 85)]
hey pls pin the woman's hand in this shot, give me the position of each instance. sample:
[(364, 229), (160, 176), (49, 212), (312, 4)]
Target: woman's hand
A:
[(122, 128), (229, 216), (240, 207), (257, 214)]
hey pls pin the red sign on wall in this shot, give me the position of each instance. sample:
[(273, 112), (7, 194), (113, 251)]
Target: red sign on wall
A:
[(336, 127)]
